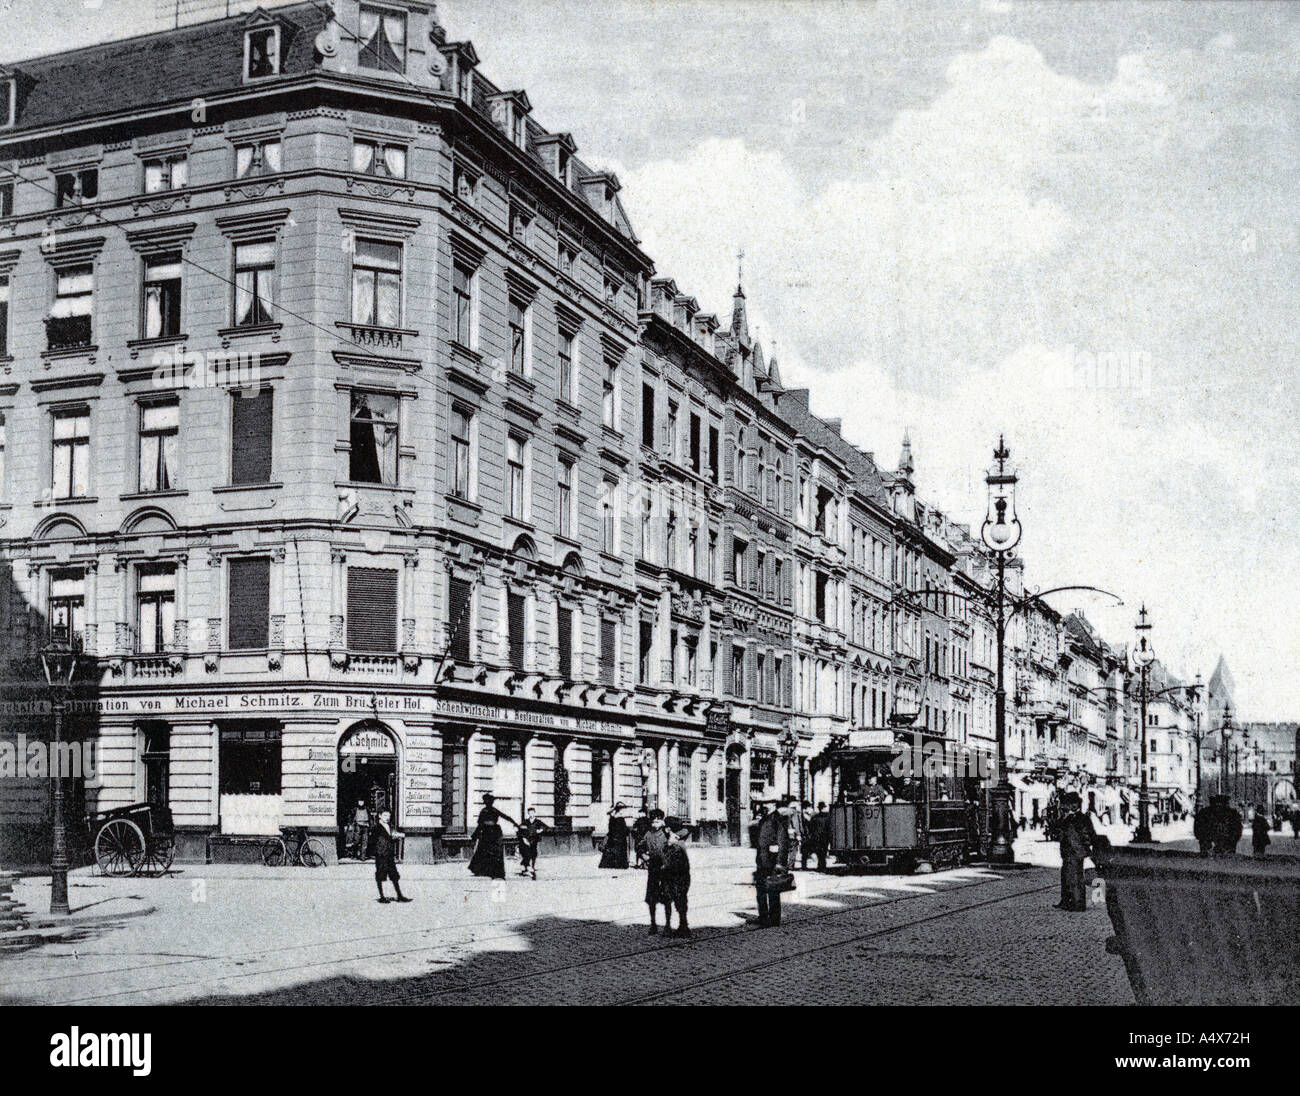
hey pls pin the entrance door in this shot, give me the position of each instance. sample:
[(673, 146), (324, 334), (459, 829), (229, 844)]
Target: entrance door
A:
[(733, 796), (367, 773)]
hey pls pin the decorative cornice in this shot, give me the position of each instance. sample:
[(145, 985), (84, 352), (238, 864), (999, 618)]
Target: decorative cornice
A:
[(374, 221), (245, 226), (71, 252), (149, 241)]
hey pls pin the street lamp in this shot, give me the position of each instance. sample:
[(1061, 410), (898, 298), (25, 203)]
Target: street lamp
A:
[(1001, 533), (788, 742), (1194, 695), (59, 661), (1143, 656), (1225, 736)]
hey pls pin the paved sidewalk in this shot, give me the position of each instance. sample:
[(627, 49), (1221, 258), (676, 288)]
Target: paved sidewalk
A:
[(243, 933)]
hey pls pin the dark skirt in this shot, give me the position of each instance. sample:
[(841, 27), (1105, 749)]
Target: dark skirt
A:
[(614, 854), (489, 858)]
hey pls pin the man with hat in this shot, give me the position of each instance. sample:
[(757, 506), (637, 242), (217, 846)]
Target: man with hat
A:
[(819, 835), (772, 862), (1078, 840), (1218, 827)]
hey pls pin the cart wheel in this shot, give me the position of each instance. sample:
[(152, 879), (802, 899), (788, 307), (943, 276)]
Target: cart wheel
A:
[(119, 847), (311, 854), (158, 860), (273, 852)]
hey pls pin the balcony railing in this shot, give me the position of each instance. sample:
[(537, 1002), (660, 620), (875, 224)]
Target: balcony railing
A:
[(378, 338)]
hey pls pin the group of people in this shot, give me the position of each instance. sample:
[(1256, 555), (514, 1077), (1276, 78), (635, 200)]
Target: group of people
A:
[(657, 843), (488, 841), (1219, 827)]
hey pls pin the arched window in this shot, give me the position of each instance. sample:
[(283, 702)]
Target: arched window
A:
[(740, 460)]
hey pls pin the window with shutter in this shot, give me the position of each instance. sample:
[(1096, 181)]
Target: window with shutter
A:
[(517, 612), (458, 618), (454, 785), (249, 603), (250, 438), (607, 638), (564, 642), (372, 609)]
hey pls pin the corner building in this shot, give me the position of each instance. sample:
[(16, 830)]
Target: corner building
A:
[(318, 396)]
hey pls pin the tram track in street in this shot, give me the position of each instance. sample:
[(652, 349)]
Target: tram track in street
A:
[(723, 935), (620, 910)]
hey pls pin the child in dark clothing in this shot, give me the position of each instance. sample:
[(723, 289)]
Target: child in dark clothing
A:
[(675, 881)]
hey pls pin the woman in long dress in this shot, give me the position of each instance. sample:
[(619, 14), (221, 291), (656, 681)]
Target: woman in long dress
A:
[(489, 857), (614, 854)]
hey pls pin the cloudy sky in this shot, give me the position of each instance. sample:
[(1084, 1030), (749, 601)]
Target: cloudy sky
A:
[(950, 213)]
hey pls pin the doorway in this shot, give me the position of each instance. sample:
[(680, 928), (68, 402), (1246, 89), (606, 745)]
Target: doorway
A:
[(367, 775), (732, 797)]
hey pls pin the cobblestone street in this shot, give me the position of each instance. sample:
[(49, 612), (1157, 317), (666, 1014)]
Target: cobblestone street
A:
[(233, 933)]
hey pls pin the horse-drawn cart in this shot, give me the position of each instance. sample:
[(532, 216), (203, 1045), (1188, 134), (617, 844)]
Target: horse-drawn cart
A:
[(135, 840)]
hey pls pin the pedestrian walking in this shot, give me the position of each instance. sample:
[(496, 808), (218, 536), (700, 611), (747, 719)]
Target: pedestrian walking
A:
[(772, 863), (1078, 840), (489, 854), (819, 834), (614, 854), (1295, 823), (675, 881), (796, 837), (806, 815), (1259, 839), (529, 841), (640, 827), (359, 831), (655, 844), (386, 858)]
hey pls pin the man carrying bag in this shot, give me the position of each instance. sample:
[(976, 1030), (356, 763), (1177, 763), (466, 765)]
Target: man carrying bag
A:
[(772, 873)]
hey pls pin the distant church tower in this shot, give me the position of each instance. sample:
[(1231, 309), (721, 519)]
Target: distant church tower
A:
[(904, 486)]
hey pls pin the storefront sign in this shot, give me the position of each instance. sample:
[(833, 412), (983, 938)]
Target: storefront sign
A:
[(370, 743), (523, 717), (870, 739)]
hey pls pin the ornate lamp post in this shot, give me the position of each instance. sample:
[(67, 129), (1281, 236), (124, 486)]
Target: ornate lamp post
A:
[(59, 661), (1225, 736), (1001, 533), (1143, 656), (1194, 695), (788, 743)]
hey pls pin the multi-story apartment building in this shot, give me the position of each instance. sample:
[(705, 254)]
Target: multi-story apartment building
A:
[(394, 557)]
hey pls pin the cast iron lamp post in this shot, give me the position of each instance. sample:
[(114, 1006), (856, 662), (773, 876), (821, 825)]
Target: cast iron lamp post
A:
[(1001, 533), (1143, 656), (59, 661), (1225, 736), (789, 746)]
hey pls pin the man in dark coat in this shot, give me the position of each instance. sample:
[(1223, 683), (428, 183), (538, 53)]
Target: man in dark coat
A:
[(819, 835), (385, 858), (772, 861), (489, 857), (1220, 825), (675, 879), (1078, 839), (529, 839), (1259, 839), (656, 843), (805, 834), (614, 854)]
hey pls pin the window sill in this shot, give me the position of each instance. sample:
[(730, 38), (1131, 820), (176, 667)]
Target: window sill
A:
[(459, 348), (459, 500), (568, 541), (250, 331), (373, 335), (521, 380), (519, 523), (70, 352), (172, 494), (226, 487), (76, 500), (149, 343), (393, 488)]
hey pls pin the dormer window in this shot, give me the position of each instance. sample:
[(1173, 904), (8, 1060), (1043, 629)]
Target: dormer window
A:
[(73, 188), (166, 173), (383, 39), (465, 84), (375, 158), (261, 53), (562, 163), (257, 158), (510, 113), (518, 131), (9, 105)]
